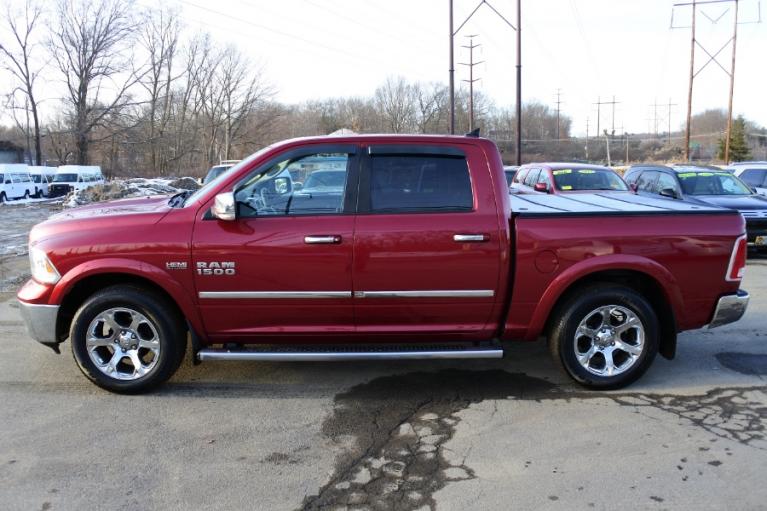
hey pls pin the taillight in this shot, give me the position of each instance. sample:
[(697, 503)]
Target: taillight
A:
[(737, 260)]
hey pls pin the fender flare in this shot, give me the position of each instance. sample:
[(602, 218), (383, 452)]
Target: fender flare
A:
[(116, 265), (662, 276)]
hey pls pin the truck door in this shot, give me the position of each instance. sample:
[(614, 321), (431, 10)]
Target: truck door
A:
[(282, 269), (427, 249)]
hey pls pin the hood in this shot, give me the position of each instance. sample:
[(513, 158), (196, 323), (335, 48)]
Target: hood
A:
[(102, 219), (133, 206), (739, 202)]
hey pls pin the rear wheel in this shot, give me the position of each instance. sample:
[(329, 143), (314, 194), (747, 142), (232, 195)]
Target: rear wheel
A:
[(3, 197), (127, 340), (26, 194), (605, 337)]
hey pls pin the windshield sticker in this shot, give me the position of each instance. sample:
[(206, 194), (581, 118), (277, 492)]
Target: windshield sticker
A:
[(687, 174), (567, 187), (562, 171), (586, 171)]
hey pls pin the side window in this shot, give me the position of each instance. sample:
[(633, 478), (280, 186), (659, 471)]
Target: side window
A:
[(419, 183), (305, 185), (666, 181), (646, 182), (2, 179), (631, 177), (521, 174), (532, 177), (755, 177), (543, 177)]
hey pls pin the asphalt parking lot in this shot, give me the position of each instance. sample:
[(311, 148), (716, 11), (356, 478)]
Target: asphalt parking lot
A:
[(508, 434)]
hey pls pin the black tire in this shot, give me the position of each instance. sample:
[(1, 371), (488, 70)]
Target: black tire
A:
[(158, 313), (26, 194), (3, 197), (578, 308)]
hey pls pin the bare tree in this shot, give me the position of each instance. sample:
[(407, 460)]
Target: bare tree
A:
[(431, 104), (396, 103), (18, 60), (89, 43), (159, 37)]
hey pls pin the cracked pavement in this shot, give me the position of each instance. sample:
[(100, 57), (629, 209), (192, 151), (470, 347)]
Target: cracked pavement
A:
[(513, 433)]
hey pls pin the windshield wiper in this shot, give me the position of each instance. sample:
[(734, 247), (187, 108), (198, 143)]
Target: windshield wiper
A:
[(178, 199)]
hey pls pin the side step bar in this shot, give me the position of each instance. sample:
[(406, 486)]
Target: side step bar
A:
[(328, 356)]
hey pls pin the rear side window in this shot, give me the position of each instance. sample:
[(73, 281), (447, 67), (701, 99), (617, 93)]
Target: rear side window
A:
[(520, 177), (419, 183), (646, 182), (532, 177), (755, 177)]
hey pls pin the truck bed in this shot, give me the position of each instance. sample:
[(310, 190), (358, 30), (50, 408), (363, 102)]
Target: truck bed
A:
[(609, 203)]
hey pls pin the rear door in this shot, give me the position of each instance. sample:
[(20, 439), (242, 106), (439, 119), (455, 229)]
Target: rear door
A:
[(427, 250), (283, 269), (646, 183)]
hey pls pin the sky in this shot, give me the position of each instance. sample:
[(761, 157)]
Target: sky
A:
[(587, 49)]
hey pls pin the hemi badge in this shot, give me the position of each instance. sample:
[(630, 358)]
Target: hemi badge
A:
[(175, 265)]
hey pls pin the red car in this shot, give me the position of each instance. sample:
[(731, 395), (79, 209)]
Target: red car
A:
[(564, 178), (421, 252)]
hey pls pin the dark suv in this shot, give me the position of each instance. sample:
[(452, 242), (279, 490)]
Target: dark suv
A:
[(710, 186)]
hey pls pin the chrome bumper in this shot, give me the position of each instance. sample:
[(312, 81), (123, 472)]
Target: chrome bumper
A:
[(729, 308), (40, 321)]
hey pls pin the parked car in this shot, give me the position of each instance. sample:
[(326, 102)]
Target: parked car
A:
[(219, 169), (72, 178), (564, 178), (42, 177), (16, 182), (427, 256), (753, 173), (510, 171), (705, 186)]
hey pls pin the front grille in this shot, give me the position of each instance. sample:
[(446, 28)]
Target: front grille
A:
[(755, 227), (59, 190)]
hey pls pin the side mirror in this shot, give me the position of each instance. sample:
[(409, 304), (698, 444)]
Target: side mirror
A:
[(541, 187), (634, 188), (668, 192), (224, 207)]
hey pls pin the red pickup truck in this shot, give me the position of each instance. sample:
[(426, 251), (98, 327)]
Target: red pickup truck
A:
[(404, 247)]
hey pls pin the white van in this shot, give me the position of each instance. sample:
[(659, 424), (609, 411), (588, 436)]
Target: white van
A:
[(42, 177), (15, 182), (70, 178)]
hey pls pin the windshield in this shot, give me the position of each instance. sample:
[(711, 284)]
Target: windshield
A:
[(37, 178), (568, 180), (327, 179), (65, 178), (712, 183), (224, 175)]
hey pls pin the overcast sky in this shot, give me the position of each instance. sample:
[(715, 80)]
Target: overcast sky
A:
[(587, 48)]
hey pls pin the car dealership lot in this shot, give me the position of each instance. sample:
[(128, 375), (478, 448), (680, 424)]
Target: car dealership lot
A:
[(501, 434)]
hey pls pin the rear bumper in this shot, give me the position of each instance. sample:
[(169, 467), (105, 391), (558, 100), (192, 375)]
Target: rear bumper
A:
[(40, 321), (729, 308)]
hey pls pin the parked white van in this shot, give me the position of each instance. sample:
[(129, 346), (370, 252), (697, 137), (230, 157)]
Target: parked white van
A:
[(15, 182), (42, 177), (70, 178)]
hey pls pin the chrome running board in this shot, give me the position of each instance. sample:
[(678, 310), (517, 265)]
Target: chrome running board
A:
[(320, 355)]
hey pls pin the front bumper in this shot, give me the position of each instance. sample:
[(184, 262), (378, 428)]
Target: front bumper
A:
[(729, 308), (40, 321)]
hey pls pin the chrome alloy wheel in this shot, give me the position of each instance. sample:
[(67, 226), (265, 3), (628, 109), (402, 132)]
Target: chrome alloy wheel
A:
[(609, 340), (122, 343)]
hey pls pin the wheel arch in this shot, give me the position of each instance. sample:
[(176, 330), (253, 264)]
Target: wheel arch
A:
[(639, 281)]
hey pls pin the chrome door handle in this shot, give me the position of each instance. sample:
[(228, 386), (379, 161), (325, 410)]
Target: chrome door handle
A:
[(322, 240), (469, 238)]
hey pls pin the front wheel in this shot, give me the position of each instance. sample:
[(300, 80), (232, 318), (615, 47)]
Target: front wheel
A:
[(3, 197), (605, 337), (26, 194), (127, 340)]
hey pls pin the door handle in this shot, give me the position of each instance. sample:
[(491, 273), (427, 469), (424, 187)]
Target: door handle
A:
[(469, 238), (322, 240)]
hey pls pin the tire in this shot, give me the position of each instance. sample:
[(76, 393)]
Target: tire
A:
[(157, 343), (26, 194), (3, 197), (601, 326)]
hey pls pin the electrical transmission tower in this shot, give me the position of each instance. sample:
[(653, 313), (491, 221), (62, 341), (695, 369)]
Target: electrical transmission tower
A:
[(599, 104), (558, 102), (471, 79), (712, 57)]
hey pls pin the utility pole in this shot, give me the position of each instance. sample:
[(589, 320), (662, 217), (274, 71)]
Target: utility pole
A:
[(452, 74), (689, 88), (559, 102), (587, 139), (613, 103), (519, 81), (627, 148), (669, 105), (471, 79), (654, 107), (599, 114), (607, 143), (732, 88)]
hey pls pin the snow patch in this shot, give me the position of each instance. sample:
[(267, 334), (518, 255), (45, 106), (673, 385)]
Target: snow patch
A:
[(126, 188)]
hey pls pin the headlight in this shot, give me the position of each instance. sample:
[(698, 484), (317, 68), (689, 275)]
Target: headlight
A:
[(43, 270)]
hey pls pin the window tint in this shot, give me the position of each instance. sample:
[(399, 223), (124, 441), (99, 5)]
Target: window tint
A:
[(646, 182), (532, 177), (755, 177), (273, 191), (666, 181), (419, 183)]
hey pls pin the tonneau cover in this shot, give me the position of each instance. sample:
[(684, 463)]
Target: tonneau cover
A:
[(609, 203)]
